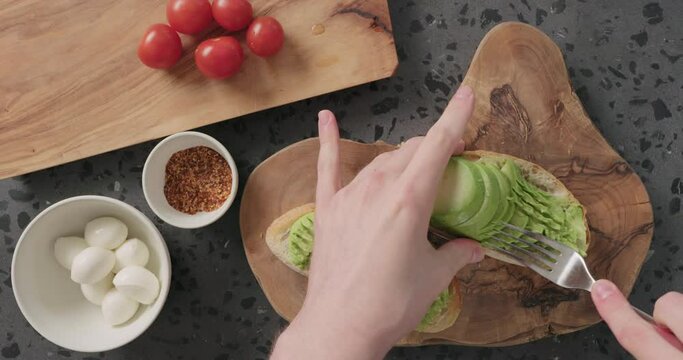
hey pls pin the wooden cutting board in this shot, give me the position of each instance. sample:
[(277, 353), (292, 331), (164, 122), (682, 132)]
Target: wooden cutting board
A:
[(71, 85), (524, 107)]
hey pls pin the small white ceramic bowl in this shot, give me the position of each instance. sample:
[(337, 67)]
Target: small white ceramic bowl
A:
[(154, 173), (52, 303)]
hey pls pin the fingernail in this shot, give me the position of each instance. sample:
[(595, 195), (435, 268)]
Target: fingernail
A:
[(323, 117), (463, 92), (477, 254), (603, 289)]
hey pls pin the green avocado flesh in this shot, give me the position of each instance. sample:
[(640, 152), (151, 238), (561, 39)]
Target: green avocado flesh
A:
[(301, 245), (301, 241), (437, 308), (505, 196)]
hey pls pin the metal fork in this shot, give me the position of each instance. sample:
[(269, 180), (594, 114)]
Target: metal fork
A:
[(549, 258)]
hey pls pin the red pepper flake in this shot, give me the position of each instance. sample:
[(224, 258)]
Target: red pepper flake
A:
[(197, 179)]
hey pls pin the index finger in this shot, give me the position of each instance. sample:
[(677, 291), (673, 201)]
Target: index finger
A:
[(329, 170), (427, 165)]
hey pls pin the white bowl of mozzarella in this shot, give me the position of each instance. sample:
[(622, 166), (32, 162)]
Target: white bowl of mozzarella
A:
[(91, 273)]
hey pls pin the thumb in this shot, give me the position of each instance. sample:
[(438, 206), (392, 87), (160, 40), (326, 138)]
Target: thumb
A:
[(633, 333), (455, 254)]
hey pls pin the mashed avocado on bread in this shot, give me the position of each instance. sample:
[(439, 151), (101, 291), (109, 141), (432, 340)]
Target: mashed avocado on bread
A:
[(435, 310), (301, 241)]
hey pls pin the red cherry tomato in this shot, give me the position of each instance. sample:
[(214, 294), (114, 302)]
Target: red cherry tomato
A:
[(232, 15), (219, 58), (265, 36), (160, 47), (189, 16)]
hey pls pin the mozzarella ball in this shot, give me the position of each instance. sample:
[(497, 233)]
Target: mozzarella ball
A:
[(96, 292), (118, 308), (131, 252), (137, 283), (92, 265), (66, 249), (106, 232)]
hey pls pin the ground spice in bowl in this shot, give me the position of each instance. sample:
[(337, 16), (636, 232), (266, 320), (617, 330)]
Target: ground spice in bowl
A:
[(197, 179)]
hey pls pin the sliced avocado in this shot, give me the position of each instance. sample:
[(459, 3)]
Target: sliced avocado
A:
[(507, 197), (475, 226), (549, 214), (536, 227), (513, 198), (523, 204), (460, 189), (539, 216), (463, 180), (506, 207), (511, 170), (503, 182), (518, 219)]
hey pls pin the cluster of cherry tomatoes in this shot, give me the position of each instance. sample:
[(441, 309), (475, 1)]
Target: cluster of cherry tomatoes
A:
[(221, 57)]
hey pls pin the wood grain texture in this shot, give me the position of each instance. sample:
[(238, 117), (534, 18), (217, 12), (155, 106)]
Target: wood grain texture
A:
[(71, 85), (525, 107)]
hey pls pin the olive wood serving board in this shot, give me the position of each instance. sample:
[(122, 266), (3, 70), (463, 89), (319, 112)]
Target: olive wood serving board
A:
[(71, 85), (525, 107)]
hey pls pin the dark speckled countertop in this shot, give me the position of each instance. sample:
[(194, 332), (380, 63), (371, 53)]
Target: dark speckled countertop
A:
[(624, 59)]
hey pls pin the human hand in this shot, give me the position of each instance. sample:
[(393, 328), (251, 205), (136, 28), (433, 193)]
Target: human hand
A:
[(637, 336), (373, 273)]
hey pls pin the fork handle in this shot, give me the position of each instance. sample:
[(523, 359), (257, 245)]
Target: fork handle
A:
[(647, 317), (664, 331)]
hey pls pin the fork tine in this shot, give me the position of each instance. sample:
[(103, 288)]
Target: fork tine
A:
[(507, 252), (545, 252), (530, 256), (544, 259), (523, 257), (556, 246)]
